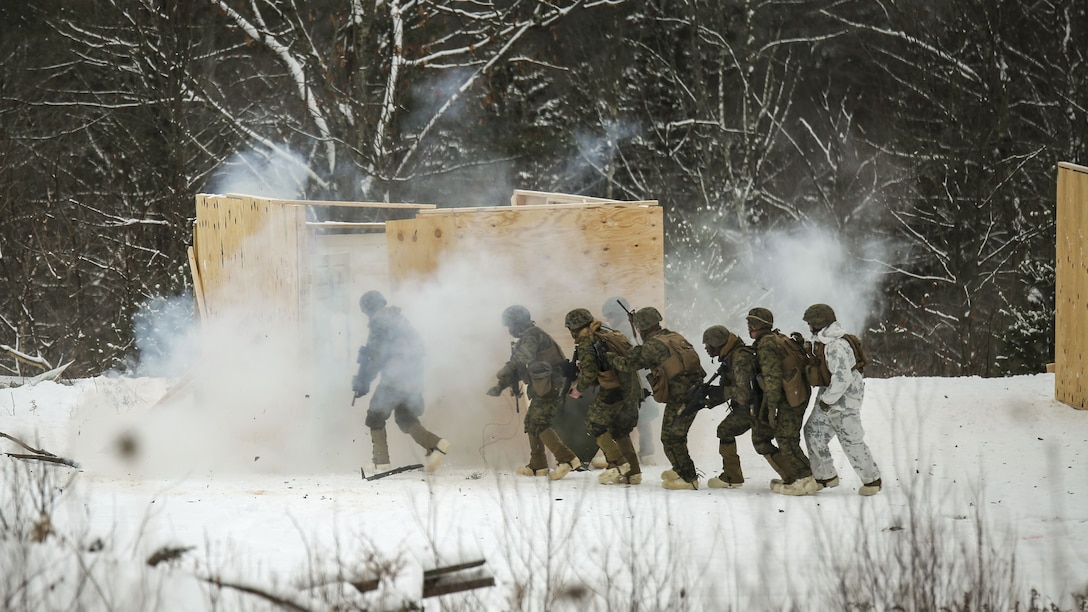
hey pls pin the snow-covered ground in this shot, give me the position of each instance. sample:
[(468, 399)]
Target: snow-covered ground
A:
[(985, 490)]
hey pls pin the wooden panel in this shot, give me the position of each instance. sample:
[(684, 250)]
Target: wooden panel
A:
[(567, 257), (1071, 298), (251, 251), (524, 197)]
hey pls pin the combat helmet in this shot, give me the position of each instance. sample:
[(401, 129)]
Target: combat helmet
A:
[(647, 318), (819, 316), (577, 319), (516, 317), (716, 336), (760, 318), (371, 302)]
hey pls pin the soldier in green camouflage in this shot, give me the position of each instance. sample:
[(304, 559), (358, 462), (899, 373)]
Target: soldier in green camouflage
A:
[(736, 376), (674, 369), (786, 421), (614, 314), (613, 413), (538, 361)]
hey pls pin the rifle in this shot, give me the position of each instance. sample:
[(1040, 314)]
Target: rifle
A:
[(631, 320), (696, 397)]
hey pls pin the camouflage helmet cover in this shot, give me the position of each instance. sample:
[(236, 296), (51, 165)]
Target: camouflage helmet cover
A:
[(515, 316), (647, 318), (760, 318), (372, 301), (716, 336), (578, 318), (819, 316)]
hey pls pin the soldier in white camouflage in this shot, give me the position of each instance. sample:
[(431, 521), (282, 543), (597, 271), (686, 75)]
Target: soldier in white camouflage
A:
[(674, 369), (786, 421), (395, 351), (838, 405), (538, 361), (613, 413)]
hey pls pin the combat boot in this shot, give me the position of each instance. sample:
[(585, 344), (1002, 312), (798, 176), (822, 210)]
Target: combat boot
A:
[(565, 468), (720, 482), (679, 484), (669, 475), (437, 455), (801, 486), (829, 483), (871, 488), (528, 471)]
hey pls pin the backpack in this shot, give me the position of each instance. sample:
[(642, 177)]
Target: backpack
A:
[(795, 384), (816, 370)]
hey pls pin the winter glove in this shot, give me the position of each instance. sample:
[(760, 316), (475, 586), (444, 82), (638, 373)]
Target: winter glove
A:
[(495, 391)]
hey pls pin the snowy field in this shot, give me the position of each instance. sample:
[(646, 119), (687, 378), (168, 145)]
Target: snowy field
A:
[(985, 498)]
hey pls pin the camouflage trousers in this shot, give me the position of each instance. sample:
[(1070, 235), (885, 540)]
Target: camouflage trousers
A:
[(674, 438), (787, 433), (822, 426), (541, 412), (611, 412), (405, 407)]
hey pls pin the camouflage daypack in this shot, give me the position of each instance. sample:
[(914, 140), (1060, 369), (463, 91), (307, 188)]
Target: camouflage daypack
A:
[(795, 384)]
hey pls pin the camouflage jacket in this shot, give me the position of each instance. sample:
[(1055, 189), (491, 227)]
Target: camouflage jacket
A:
[(651, 355), (769, 357), (738, 376), (395, 350), (534, 344), (591, 355)]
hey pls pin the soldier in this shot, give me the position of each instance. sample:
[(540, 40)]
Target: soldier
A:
[(775, 410), (394, 350), (674, 369), (838, 404), (615, 315), (736, 376), (614, 411), (538, 361)]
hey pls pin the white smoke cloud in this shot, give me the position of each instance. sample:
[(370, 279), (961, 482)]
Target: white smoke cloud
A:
[(271, 173)]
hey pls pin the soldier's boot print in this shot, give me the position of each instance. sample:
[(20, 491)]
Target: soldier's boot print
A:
[(732, 477), (380, 447)]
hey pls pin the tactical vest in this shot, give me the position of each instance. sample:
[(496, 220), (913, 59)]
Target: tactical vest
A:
[(682, 358), (544, 370)]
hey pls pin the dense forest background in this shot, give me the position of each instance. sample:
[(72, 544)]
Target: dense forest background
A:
[(935, 127)]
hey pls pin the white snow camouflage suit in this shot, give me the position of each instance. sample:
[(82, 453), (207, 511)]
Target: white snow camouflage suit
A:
[(843, 397)]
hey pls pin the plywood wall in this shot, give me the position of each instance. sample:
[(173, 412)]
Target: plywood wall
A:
[(603, 249), (248, 253), (1071, 299)]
